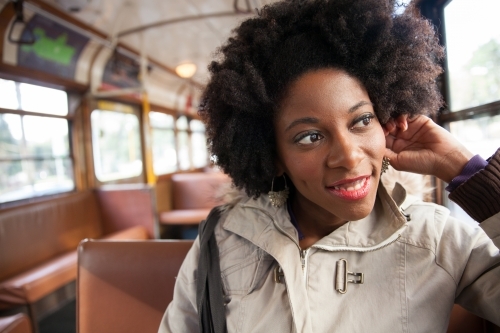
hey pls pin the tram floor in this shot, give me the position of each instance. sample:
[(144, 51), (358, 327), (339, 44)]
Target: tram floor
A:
[(61, 321)]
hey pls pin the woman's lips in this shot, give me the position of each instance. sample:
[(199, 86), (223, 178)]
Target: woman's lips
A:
[(352, 189)]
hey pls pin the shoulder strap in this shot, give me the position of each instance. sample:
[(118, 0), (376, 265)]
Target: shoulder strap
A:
[(211, 310)]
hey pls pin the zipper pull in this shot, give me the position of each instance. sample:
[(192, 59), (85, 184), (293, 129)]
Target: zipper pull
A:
[(303, 254)]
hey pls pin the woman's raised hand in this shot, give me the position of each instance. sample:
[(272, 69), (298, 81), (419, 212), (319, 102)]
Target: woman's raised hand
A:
[(419, 145)]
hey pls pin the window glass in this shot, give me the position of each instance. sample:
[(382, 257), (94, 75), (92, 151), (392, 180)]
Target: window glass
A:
[(198, 143), (199, 147), (34, 157), (11, 135), (8, 95), (183, 150), (43, 100), (197, 126), (46, 136), (473, 52), (15, 183), (481, 135), (161, 120), (164, 153), (116, 145), (182, 123)]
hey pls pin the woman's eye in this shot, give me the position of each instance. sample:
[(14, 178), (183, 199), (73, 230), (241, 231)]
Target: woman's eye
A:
[(309, 138), (363, 121)]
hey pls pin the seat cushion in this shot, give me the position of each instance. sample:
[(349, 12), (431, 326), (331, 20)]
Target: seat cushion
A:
[(184, 216), (31, 285), (137, 232), (18, 323)]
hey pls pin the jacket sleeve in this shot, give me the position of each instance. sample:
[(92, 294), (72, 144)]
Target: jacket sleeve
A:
[(478, 287), (479, 196), (182, 314)]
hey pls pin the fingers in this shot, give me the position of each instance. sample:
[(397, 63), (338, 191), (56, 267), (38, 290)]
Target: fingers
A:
[(390, 126), (393, 126), (402, 122), (393, 158)]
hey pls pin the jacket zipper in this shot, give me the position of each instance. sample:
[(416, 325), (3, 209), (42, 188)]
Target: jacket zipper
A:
[(303, 259)]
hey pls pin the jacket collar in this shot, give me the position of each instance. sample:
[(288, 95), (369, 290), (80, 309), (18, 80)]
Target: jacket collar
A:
[(254, 218)]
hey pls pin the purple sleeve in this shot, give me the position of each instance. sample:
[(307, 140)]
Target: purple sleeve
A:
[(479, 194), (475, 164)]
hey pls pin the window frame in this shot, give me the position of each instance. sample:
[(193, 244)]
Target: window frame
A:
[(177, 115), (22, 113), (97, 104), (434, 11)]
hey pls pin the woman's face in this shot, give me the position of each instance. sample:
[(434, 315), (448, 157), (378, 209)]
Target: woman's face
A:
[(330, 144)]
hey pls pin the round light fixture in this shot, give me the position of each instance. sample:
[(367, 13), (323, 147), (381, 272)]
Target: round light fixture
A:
[(186, 70)]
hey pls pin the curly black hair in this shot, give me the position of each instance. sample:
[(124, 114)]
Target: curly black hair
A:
[(396, 57)]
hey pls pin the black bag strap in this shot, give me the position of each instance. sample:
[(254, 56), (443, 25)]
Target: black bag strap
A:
[(211, 310)]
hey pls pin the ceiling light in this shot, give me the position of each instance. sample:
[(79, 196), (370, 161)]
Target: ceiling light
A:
[(186, 70)]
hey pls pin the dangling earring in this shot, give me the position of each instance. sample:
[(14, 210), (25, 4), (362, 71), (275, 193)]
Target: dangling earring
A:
[(278, 198), (385, 164)]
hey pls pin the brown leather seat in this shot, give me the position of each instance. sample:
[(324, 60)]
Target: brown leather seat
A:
[(18, 323), (193, 196), (125, 286), (463, 321), (38, 240)]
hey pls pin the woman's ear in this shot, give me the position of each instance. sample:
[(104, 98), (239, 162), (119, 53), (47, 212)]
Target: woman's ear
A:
[(280, 170)]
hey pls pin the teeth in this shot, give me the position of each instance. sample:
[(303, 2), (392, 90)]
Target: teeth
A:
[(352, 186)]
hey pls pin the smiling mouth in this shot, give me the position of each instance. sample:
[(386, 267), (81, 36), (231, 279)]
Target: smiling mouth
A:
[(354, 190)]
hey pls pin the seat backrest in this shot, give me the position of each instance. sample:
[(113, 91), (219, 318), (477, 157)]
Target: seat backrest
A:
[(128, 205), (198, 190), (125, 286), (33, 233), (463, 321)]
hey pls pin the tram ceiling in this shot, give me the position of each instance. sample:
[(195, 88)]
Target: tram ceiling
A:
[(170, 32)]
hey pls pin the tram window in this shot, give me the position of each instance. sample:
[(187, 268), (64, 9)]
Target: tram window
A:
[(164, 153), (183, 143), (29, 97), (473, 79), (8, 92), (34, 157), (116, 145), (481, 135), (473, 52), (198, 143)]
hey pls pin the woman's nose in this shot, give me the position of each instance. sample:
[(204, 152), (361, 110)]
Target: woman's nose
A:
[(344, 152)]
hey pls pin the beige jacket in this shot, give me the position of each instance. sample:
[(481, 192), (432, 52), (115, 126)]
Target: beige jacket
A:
[(413, 269)]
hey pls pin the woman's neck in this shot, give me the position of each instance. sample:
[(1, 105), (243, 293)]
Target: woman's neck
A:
[(313, 221)]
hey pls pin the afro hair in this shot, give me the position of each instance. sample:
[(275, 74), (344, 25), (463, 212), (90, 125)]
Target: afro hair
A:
[(396, 56)]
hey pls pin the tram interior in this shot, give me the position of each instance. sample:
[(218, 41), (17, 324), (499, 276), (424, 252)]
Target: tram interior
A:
[(104, 169)]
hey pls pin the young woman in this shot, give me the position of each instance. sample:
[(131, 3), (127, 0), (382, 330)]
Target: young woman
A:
[(304, 104)]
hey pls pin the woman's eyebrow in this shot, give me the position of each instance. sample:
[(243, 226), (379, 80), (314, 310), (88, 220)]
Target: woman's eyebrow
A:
[(305, 120), (358, 105)]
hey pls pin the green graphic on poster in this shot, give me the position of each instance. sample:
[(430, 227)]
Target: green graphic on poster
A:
[(51, 49)]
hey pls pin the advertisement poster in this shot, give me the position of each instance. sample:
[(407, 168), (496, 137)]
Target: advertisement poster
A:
[(56, 48), (121, 72)]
